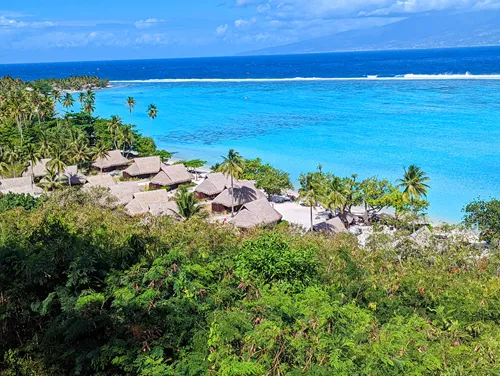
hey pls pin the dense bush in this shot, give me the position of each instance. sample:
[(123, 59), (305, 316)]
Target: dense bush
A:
[(86, 290)]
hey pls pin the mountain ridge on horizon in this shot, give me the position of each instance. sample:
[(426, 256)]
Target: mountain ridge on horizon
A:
[(427, 31)]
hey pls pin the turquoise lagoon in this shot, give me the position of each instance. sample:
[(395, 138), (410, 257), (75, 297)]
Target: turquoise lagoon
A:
[(451, 128)]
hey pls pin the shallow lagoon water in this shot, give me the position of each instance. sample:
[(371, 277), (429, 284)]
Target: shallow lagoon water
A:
[(450, 128)]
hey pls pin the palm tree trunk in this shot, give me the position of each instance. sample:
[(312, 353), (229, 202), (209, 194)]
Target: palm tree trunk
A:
[(311, 214), (232, 196)]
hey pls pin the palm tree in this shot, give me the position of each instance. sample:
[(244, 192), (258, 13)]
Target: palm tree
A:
[(130, 104), (186, 203), (12, 157), (152, 113), (310, 192), (79, 152), (56, 97), (89, 102), (126, 137), (113, 126), (81, 99), (51, 180), (33, 155), (414, 183), (68, 101), (100, 151), (232, 165), (57, 162), (45, 143)]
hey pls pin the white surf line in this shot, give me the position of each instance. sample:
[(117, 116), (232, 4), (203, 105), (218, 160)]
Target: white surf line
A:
[(406, 77)]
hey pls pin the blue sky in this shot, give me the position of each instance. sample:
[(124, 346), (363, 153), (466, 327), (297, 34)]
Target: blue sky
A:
[(57, 30)]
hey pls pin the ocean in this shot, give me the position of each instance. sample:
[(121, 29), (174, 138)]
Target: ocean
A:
[(364, 113)]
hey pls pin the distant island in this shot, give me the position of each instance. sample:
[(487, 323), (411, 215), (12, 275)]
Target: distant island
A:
[(424, 31)]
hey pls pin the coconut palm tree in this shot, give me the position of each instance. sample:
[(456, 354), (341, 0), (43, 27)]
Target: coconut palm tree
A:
[(126, 137), (81, 99), (414, 182), (57, 162), (113, 126), (33, 155), (68, 101), (186, 203), (45, 143), (310, 192), (79, 152), (152, 113), (51, 180), (12, 157), (232, 166), (130, 103), (100, 151)]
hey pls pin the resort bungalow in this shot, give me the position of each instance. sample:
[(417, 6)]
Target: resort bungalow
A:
[(256, 213), (171, 176), (102, 180), (69, 176), (244, 192), (151, 201), (19, 186), (39, 170), (143, 168), (124, 191), (212, 186), (113, 161), (332, 226)]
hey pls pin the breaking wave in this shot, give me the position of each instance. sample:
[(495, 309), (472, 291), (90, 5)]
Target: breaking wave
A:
[(410, 76)]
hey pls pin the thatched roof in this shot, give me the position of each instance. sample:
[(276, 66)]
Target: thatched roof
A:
[(102, 180), (244, 192), (114, 159), (144, 166), (143, 200), (334, 225), (19, 186), (71, 173), (422, 237), (214, 184), (124, 191), (256, 213), (164, 208), (40, 168), (172, 175)]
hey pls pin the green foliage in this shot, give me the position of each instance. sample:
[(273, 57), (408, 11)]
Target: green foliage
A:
[(86, 290), (269, 179), (187, 203), (11, 201), (484, 216)]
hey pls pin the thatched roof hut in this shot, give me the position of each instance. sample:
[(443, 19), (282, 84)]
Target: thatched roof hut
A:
[(143, 167), (124, 191), (101, 180), (422, 237), (256, 213), (333, 225), (19, 186), (213, 185), (114, 160), (244, 192), (143, 200), (39, 170), (164, 208), (171, 176), (71, 175)]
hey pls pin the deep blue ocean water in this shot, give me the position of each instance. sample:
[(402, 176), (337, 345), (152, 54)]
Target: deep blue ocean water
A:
[(448, 126)]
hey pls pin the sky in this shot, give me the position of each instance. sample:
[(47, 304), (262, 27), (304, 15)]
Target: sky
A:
[(66, 30)]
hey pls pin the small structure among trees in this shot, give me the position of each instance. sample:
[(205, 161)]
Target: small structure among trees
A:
[(256, 213), (143, 168), (212, 186), (242, 192), (114, 160), (171, 176)]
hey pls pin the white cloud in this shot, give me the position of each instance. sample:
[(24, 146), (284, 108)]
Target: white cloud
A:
[(156, 39), (329, 9), (221, 30), (150, 22), (12, 23), (244, 23)]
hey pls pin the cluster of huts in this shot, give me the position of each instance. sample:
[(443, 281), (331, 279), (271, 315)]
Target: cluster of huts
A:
[(143, 188)]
